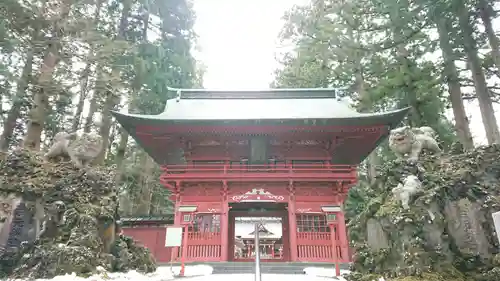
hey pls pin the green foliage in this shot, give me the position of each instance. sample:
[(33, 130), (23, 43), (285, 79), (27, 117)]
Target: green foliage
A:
[(338, 45), (111, 54)]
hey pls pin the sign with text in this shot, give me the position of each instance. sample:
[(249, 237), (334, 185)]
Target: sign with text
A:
[(173, 236), (496, 222)]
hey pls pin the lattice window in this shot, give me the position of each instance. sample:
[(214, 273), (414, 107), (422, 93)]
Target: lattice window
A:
[(312, 223), (209, 163), (186, 218), (206, 223), (299, 163), (331, 217)]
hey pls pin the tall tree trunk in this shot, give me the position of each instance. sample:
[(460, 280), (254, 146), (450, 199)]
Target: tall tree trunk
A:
[(83, 95), (482, 92), (145, 195), (126, 206), (486, 13), (4, 92), (452, 79), (93, 106), (365, 106), (122, 146), (112, 134), (40, 100), (120, 152), (15, 110), (84, 80), (406, 66), (1, 104), (21, 90), (147, 163), (111, 99)]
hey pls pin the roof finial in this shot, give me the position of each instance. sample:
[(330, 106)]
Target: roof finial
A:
[(178, 99)]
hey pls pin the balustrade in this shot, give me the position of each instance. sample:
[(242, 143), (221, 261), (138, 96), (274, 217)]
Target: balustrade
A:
[(207, 171), (314, 242)]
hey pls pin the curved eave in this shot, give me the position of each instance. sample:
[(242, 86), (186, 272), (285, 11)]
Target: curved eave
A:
[(390, 118), (343, 153), (130, 221)]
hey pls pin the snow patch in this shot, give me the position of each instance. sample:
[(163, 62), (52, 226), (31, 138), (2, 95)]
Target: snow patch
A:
[(265, 277), (325, 272), (162, 273), (329, 272), (193, 270)]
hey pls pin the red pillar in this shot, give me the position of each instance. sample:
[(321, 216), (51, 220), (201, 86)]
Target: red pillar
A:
[(344, 240), (224, 225), (177, 221), (335, 255), (292, 221), (185, 238)]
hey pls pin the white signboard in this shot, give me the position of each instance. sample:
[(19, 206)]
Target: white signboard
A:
[(173, 236), (496, 222)]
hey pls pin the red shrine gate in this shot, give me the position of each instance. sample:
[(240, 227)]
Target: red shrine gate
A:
[(307, 235), (228, 155)]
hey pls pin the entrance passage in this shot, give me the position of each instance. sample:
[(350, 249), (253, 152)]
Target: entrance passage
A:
[(272, 221)]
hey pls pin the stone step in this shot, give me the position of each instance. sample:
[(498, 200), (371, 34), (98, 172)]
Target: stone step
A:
[(267, 268)]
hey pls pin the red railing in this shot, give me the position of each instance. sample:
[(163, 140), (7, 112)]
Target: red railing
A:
[(278, 171), (318, 247), (204, 246), (314, 240)]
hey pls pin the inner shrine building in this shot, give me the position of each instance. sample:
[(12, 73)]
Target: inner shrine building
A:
[(285, 158)]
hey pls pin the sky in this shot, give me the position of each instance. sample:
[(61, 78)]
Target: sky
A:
[(238, 41)]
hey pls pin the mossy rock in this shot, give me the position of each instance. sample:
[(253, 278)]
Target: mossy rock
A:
[(91, 205), (437, 238)]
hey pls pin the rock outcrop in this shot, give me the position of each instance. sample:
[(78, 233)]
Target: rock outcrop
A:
[(56, 218), (447, 233)]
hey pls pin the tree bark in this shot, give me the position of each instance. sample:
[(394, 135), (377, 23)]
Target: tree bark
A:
[(122, 146), (82, 97), (93, 106), (40, 100), (482, 92), (14, 112), (84, 80), (365, 103), (111, 99), (4, 90), (486, 13), (364, 106), (145, 195), (461, 121)]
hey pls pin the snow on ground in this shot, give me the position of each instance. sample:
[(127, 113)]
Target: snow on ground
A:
[(193, 270), (328, 272), (324, 272), (163, 273), (202, 273), (251, 277)]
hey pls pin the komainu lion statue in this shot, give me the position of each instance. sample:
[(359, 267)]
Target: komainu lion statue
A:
[(403, 192), (80, 149), (410, 141)]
